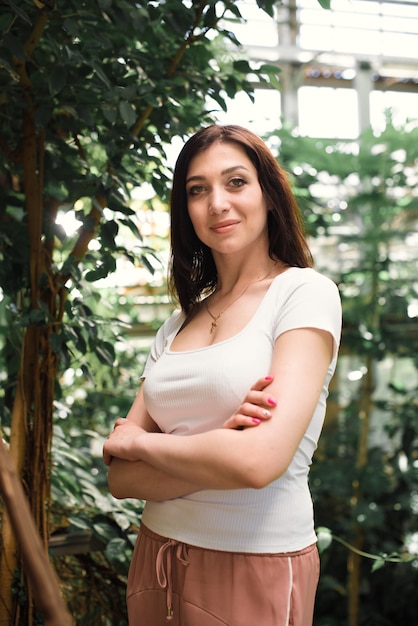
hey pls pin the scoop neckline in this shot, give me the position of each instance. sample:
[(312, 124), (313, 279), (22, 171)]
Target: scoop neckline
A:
[(224, 341)]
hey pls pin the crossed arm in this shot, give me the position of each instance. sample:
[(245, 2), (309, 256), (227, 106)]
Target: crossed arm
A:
[(145, 463), (139, 479)]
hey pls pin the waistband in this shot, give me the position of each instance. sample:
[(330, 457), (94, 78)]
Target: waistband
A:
[(153, 535), (170, 549)]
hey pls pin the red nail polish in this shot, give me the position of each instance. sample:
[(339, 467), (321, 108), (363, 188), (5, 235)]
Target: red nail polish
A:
[(256, 420), (272, 401), (268, 378)]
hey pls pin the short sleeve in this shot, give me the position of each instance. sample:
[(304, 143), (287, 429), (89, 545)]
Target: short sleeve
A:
[(312, 301), (163, 336)]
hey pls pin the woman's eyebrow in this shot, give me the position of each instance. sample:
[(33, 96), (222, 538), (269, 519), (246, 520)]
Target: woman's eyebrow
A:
[(228, 170)]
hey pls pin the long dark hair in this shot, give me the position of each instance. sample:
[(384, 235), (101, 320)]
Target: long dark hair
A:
[(192, 271)]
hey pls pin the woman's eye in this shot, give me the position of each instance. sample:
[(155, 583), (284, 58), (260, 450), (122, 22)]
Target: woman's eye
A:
[(237, 182), (196, 189)]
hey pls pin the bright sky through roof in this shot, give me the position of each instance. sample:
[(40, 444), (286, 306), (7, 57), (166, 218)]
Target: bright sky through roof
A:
[(369, 28)]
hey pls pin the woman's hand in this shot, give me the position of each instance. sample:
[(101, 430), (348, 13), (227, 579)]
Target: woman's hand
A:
[(255, 407), (121, 441)]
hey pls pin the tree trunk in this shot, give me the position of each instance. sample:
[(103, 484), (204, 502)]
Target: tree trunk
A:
[(354, 560), (31, 427), (366, 406), (42, 579)]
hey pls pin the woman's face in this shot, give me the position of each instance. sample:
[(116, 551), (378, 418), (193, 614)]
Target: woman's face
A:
[(225, 200)]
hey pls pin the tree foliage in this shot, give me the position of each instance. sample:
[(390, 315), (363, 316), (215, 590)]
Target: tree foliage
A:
[(361, 205)]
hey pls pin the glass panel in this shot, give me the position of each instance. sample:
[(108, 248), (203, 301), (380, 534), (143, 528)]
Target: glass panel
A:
[(261, 117), (259, 29), (404, 106), (327, 112)]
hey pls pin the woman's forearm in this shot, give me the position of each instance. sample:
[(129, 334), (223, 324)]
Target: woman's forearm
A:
[(138, 479), (233, 459), (251, 458), (218, 459)]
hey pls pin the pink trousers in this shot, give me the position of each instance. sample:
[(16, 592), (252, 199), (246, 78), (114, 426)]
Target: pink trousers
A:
[(172, 583)]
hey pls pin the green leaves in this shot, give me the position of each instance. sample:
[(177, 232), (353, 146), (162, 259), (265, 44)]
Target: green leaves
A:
[(94, 74), (105, 353), (78, 496), (18, 11), (268, 6), (325, 4), (324, 537), (57, 79), (127, 112), (14, 45), (354, 197)]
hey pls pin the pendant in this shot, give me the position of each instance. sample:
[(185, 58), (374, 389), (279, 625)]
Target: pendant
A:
[(213, 326)]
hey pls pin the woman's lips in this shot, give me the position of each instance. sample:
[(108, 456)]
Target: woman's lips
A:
[(224, 227)]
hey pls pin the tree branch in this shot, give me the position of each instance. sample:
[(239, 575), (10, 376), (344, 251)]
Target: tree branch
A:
[(36, 34), (94, 217), (40, 574)]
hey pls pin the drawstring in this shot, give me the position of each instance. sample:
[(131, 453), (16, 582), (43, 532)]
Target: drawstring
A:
[(164, 572)]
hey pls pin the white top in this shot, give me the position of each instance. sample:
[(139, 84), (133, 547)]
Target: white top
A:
[(195, 391)]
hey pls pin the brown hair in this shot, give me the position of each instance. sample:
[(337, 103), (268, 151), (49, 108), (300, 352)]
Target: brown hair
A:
[(192, 271)]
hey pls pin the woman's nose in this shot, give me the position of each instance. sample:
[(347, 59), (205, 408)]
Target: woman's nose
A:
[(218, 201)]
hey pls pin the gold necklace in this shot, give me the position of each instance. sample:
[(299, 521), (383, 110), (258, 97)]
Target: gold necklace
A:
[(215, 318)]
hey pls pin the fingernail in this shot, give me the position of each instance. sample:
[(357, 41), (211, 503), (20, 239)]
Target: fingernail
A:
[(256, 420), (268, 378), (272, 401), (266, 413)]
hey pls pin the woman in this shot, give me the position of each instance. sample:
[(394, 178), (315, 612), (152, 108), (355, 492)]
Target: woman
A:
[(221, 435)]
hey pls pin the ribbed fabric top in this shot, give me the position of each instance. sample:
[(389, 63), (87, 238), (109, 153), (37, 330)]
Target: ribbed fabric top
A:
[(197, 390)]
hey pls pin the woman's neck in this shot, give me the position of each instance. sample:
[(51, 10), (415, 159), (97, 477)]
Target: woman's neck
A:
[(233, 277)]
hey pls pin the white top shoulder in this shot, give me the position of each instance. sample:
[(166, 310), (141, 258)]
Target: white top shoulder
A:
[(197, 390)]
